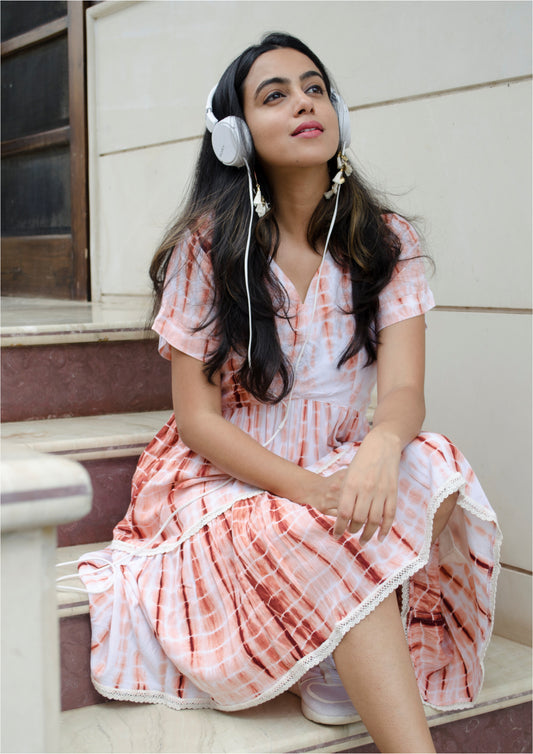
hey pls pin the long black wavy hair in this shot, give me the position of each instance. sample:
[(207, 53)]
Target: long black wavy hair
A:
[(361, 243)]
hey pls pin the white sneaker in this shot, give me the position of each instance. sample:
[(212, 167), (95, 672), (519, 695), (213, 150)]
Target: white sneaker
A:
[(324, 698)]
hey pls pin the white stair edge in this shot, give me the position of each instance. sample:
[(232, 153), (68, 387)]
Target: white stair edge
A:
[(277, 726), (39, 321), (53, 335), (83, 438), (87, 437)]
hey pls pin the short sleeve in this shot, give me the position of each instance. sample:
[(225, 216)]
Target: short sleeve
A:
[(407, 294), (186, 302)]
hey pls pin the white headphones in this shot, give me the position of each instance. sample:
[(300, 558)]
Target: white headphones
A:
[(232, 140)]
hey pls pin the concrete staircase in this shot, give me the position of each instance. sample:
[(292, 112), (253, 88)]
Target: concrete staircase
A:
[(87, 384)]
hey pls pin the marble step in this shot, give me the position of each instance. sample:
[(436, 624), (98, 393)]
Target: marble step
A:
[(45, 321), (79, 359), (108, 446), (277, 726)]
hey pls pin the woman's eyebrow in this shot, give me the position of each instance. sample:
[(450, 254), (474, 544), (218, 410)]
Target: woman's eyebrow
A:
[(284, 81), (267, 82)]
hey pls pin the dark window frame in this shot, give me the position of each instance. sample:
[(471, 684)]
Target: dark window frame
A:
[(64, 256)]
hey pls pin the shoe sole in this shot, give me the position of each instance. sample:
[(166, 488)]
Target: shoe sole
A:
[(316, 717)]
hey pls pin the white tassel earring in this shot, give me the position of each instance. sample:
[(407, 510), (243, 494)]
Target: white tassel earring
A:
[(344, 169), (260, 204)]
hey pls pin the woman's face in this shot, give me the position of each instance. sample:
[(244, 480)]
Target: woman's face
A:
[(288, 111)]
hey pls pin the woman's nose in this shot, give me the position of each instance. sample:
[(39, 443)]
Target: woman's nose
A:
[(304, 104)]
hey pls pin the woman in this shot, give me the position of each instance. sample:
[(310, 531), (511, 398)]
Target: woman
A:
[(270, 525)]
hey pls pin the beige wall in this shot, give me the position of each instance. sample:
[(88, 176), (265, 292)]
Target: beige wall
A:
[(440, 100)]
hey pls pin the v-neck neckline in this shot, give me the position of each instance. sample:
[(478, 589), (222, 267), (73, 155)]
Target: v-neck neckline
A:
[(295, 297)]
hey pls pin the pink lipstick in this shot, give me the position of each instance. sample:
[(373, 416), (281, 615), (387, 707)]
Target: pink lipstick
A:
[(308, 130)]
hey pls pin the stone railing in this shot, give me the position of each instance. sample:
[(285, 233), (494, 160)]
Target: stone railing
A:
[(39, 492)]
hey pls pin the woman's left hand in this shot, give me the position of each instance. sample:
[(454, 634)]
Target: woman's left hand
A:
[(370, 488)]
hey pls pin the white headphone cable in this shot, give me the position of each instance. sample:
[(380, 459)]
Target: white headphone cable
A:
[(308, 333), (246, 263), (146, 546)]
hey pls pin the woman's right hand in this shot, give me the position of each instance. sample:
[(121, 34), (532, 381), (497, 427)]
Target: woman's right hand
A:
[(325, 493)]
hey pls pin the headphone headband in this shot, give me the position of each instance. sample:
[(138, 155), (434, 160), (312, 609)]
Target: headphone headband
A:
[(210, 120), (232, 140), (343, 116)]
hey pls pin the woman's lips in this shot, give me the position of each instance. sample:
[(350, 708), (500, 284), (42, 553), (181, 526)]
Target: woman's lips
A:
[(308, 130)]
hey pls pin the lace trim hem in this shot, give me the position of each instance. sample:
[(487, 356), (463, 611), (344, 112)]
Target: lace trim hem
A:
[(142, 696)]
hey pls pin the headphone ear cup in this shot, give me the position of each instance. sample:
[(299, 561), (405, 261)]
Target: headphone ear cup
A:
[(343, 116), (232, 141)]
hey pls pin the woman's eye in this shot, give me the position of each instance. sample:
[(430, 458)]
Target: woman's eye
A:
[(273, 96)]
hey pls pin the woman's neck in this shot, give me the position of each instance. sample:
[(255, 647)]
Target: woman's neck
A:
[(296, 195)]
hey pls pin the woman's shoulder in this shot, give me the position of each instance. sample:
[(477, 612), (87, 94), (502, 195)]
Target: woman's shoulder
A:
[(193, 244), (407, 294), (196, 237), (403, 230), (203, 232), (190, 256)]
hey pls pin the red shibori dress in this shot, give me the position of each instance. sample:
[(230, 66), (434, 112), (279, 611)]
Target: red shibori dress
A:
[(217, 594)]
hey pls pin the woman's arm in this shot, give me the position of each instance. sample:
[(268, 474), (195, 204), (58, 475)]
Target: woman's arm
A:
[(201, 426), (370, 487)]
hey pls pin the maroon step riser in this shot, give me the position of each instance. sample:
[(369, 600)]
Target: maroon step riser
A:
[(84, 379), (111, 483), (503, 730), (77, 689)]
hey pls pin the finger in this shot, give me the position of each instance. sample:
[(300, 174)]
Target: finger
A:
[(356, 524), (359, 516), (374, 520), (341, 524), (363, 504), (345, 507), (389, 514), (368, 532), (348, 516)]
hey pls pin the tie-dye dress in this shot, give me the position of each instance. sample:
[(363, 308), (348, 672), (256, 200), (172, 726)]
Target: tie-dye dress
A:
[(217, 594)]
